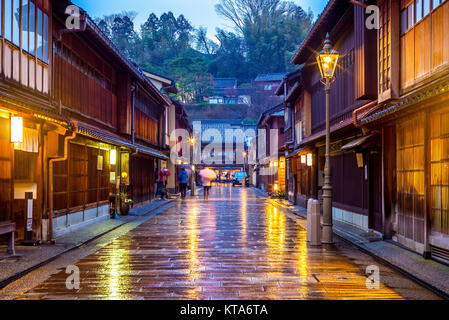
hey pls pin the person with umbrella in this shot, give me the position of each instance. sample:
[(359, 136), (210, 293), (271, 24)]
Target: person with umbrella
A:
[(207, 176)]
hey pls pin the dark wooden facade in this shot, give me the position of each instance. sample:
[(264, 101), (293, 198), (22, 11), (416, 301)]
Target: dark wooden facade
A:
[(389, 125), (413, 115), (356, 189), (25, 82), (71, 83)]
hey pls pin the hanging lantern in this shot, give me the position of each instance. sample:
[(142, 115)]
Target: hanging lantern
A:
[(16, 129), (309, 160), (113, 157)]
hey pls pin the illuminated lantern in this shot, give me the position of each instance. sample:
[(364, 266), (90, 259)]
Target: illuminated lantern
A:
[(303, 159), (16, 129), (309, 160), (113, 157)]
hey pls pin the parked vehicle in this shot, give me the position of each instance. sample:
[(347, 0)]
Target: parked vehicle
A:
[(238, 179)]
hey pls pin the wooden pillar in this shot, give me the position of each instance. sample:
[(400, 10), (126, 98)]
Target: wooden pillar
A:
[(37, 216)]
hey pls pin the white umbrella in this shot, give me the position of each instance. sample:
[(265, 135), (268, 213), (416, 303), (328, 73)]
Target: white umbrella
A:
[(208, 174)]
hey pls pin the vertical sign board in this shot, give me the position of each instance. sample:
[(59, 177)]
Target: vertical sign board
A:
[(29, 216)]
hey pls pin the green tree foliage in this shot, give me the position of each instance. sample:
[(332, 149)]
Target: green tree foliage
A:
[(203, 44), (267, 32), (230, 61), (123, 35), (269, 29), (189, 70)]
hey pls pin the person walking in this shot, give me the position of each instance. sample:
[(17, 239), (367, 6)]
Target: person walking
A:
[(160, 185), (206, 187), (207, 176), (183, 177)]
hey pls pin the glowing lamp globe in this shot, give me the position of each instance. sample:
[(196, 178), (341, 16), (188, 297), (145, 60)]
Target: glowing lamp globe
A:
[(327, 60)]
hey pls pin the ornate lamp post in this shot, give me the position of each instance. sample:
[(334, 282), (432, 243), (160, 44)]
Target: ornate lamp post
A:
[(192, 180), (327, 61)]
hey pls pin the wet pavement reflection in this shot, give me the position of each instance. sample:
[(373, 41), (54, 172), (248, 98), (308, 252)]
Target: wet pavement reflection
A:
[(234, 246)]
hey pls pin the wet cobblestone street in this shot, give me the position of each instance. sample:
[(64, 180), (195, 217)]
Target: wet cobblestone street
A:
[(234, 246)]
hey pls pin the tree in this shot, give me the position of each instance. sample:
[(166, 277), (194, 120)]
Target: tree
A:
[(123, 35), (230, 58), (203, 43), (244, 12), (270, 28), (190, 73)]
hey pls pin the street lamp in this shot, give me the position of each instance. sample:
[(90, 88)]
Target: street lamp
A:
[(244, 169), (192, 180), (327, 61)]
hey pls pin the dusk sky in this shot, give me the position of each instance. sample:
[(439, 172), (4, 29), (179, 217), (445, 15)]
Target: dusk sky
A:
[(198, 12)]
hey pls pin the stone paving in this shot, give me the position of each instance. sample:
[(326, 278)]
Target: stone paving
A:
[(234, 246), (28, 257)]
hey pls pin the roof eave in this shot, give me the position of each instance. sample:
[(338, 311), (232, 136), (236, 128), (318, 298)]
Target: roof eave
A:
[(316, 26), (107, 42)]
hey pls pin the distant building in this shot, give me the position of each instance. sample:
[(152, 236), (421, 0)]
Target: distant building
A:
[(261, 92), (264, 91), (225, 91), (270, 167), (268, 83), (222, 128)]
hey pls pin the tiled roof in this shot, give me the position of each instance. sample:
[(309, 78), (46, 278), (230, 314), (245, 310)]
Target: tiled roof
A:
[(406, 102), (94, 133), (270, 77), (273, 111), (225, 83), (324, 23), (136, 71), (221, 126)]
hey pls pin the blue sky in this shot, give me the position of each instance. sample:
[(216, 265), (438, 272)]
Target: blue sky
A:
[(198, 12)]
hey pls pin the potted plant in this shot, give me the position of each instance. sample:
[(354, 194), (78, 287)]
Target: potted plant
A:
[(125, 204)]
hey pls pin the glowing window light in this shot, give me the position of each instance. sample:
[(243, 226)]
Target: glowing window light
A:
[(17, 129), (303, 159), (113, 157), (276, 187), (309, 160)]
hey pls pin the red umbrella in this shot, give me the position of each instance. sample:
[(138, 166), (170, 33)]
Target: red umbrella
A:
[(165, 172)]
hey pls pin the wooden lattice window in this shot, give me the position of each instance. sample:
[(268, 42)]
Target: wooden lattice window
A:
[(146, 127), (79, 182), (439, 128), (410, 179), (385, 46)]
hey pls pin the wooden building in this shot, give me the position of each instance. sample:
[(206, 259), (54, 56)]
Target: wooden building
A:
[(413, 117), (271, 159), (85, 119), (184, 159), (355, 159)]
